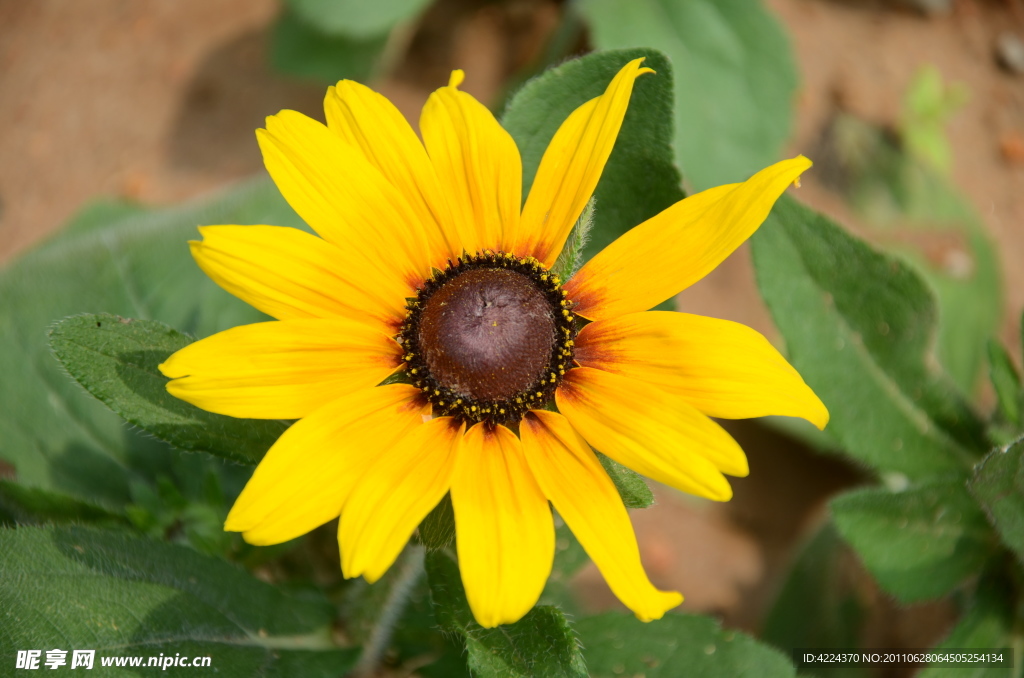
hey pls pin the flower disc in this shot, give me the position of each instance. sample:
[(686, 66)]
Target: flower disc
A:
[(487, 334), (489, 337)]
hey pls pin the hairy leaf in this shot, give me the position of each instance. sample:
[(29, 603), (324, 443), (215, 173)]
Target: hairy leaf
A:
[(616, 644), (640, 178), (998, 485), (116, 359), (437, 531), (540, 644), (920, 543), (84, 589), (860, 326), (632, 488), (26, 505), (1005, 382)]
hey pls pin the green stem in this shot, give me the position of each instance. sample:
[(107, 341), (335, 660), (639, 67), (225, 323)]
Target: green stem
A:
[(391, 612)]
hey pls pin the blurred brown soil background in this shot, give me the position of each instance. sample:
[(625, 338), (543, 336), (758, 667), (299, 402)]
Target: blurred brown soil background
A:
[(157, 100)]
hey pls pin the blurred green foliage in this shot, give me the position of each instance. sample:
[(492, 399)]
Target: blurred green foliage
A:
[(927, 108), (820, 603), (331, 40), (356, 18), (301, 50), (735, 79)]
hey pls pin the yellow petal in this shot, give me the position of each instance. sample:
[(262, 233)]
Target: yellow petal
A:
[(306, 476), (504, 529), (395, 495), (478, 165), (651, 432), (368, 121), (571, 167), (579, 488), (332, 186), (283, 369), (722, 368), (291, 274), (676, 248)]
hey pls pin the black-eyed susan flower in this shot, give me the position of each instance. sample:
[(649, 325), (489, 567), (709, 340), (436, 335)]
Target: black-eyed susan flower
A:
[(428, 264)]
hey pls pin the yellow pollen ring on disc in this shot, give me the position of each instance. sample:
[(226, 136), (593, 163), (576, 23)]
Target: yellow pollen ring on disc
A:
[(458, 75)]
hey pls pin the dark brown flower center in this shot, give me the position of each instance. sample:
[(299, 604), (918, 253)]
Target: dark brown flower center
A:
[(489, 338), (487, 334)]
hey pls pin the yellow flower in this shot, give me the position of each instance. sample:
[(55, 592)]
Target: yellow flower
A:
[(425, 263)]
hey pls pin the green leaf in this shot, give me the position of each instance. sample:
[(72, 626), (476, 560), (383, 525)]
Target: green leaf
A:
[(31, 505), (818, 605), (735, 78), (616, 644), (640, 179), (59, 438), (917, 214), (300, 49), (920, 543), (356, 18), (632, 488), (76, 588), (437, 531), (966, 277), (986, 624), (540, 644), (116, 359), (1005, 381), (860, 326), (970, 303), (998, 485), (572, 256)]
